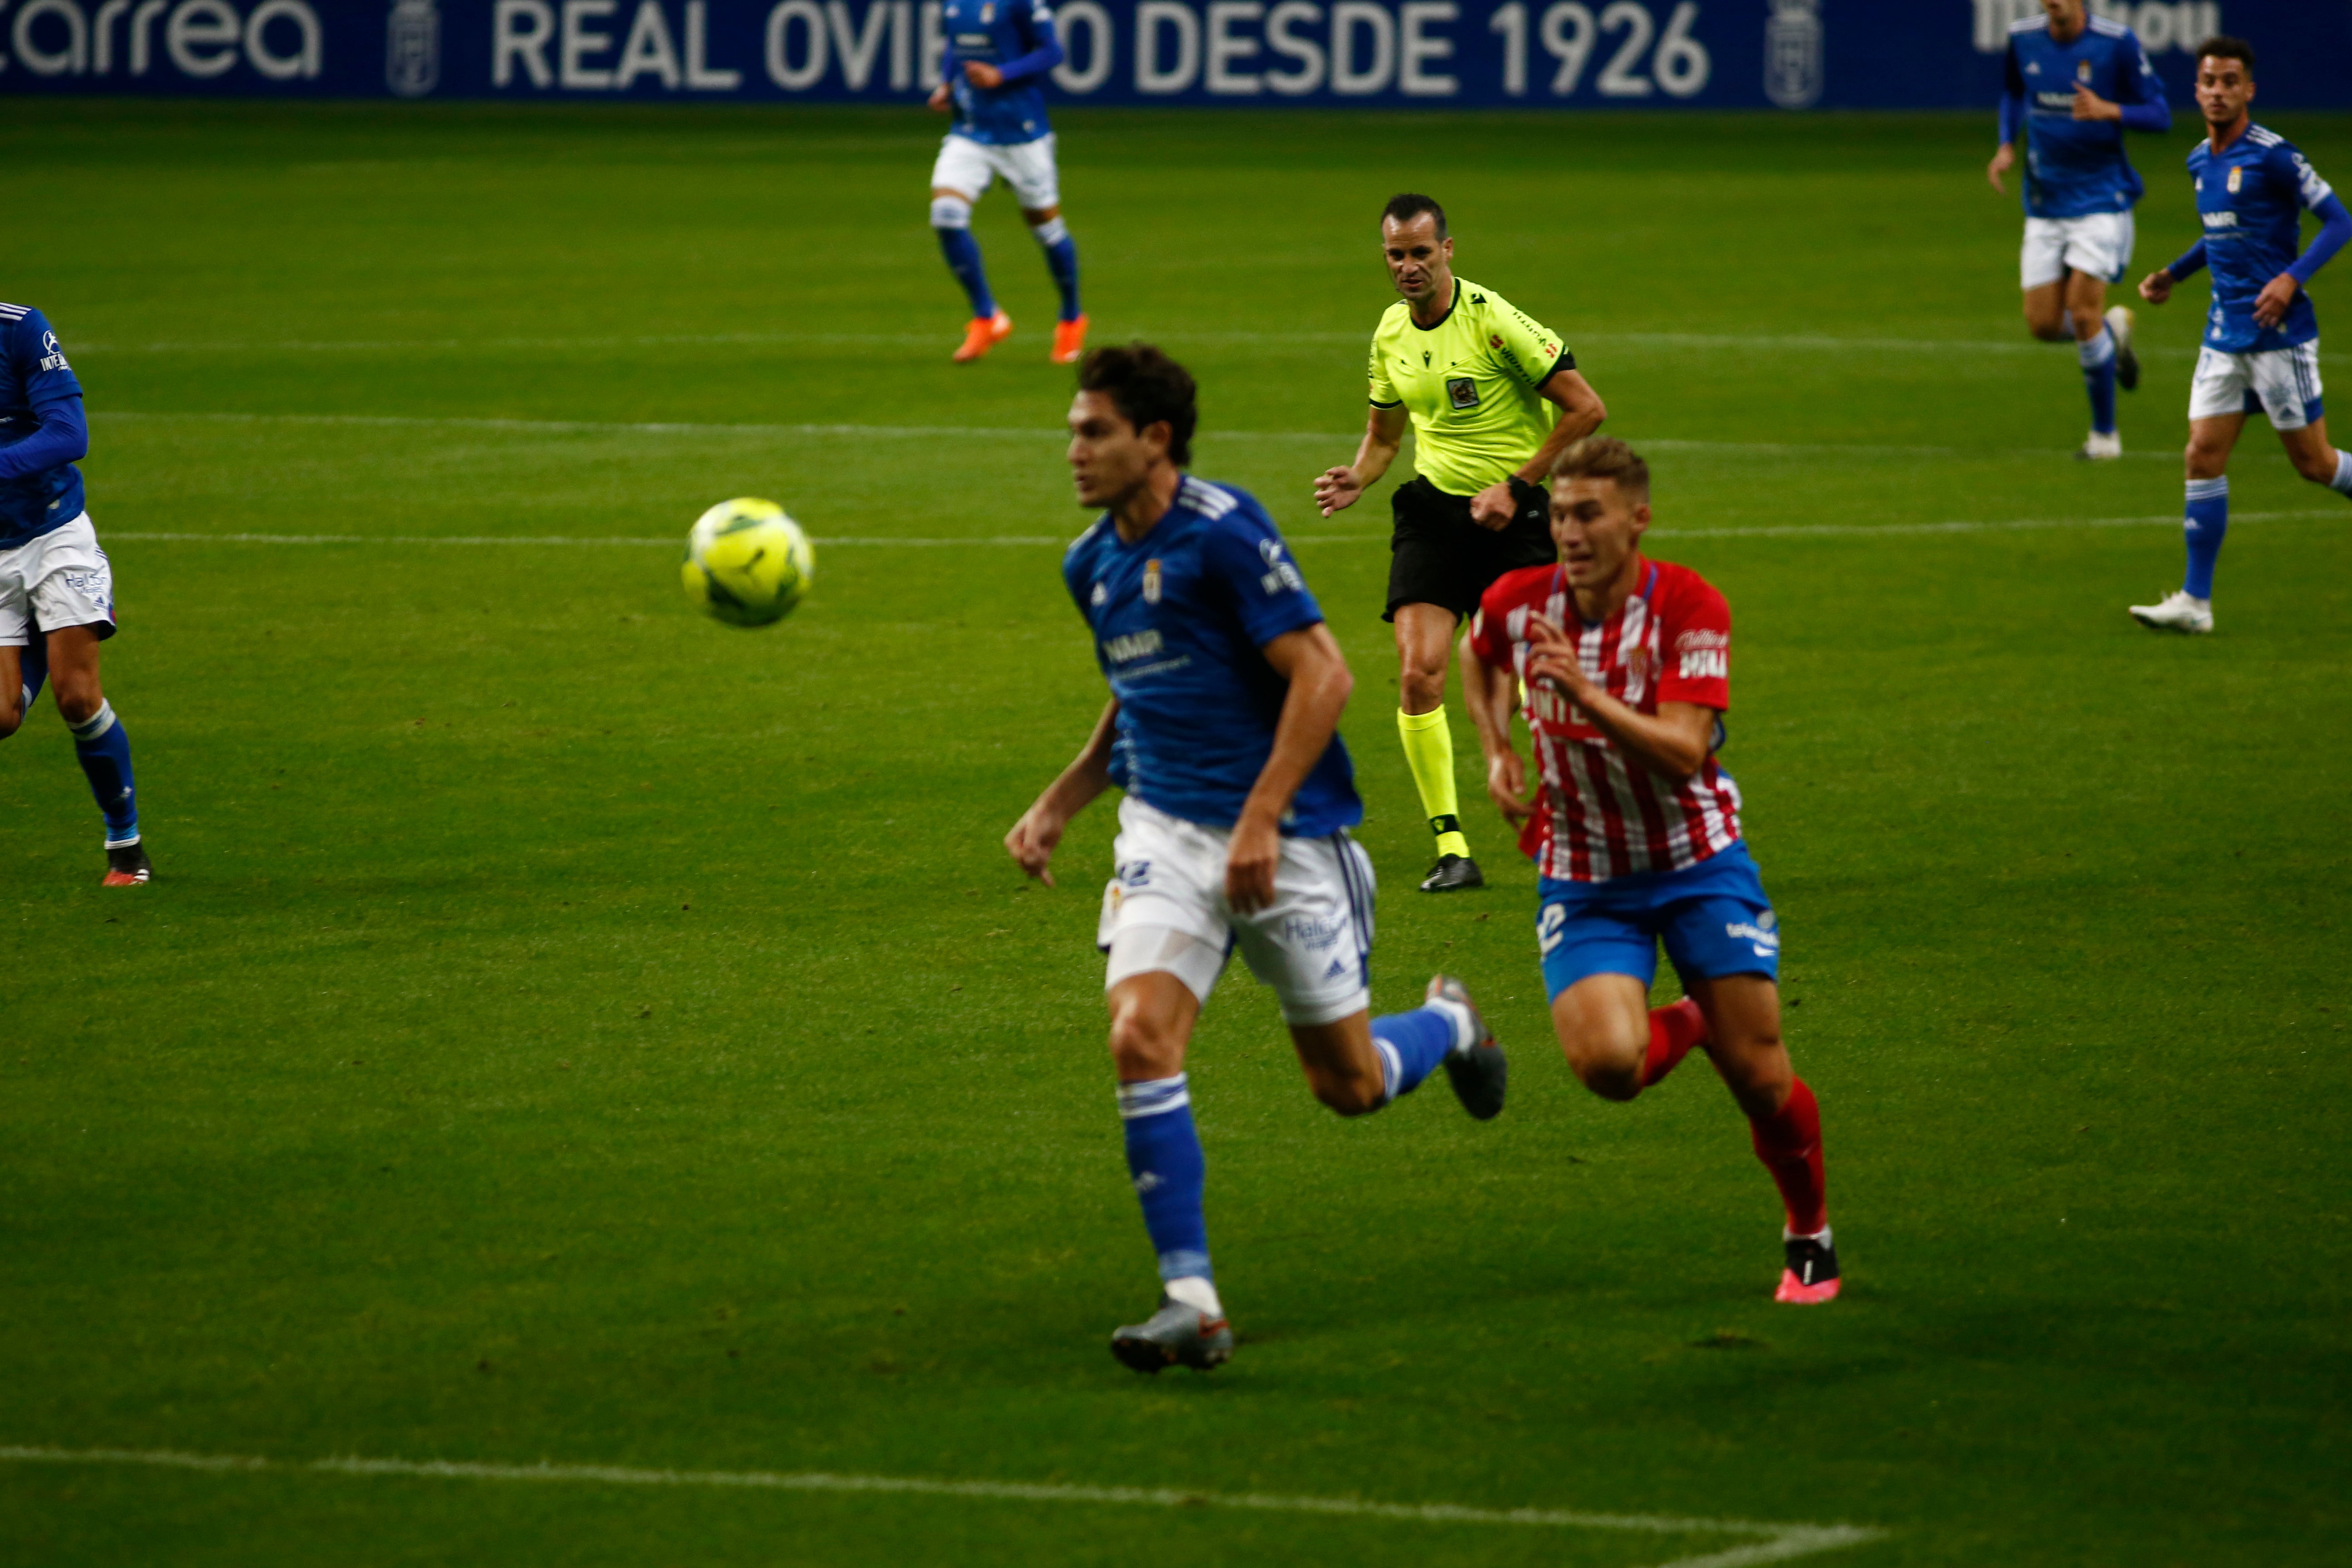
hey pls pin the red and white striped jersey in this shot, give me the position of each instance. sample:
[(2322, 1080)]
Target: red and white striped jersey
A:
[(1600, 814)]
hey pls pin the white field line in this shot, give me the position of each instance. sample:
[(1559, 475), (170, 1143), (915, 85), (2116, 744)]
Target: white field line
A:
[(985, 432), (1792, 343), (1058, 541), (1774, 1543)]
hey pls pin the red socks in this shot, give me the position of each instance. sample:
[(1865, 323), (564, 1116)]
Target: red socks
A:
[(1673, 1032), (1789, 1144)]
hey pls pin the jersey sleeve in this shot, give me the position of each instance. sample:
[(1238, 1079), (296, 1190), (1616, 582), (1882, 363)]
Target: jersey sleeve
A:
[(2139, 92), (2292, 172), (1033, 24), (1384, 391), (1696, 645), (1490, 638), (1532, 351), (40, 364), (1245, 554)]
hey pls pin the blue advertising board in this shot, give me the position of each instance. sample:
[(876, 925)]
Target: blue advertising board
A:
[(1454, 54)]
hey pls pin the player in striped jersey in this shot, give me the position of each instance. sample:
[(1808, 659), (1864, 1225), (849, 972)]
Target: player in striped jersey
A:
[(1635, 827)]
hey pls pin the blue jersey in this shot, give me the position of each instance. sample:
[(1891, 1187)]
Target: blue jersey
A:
[(2076, 167), (34, 380), (1017, 37), (1180, 619), (2252, 195)]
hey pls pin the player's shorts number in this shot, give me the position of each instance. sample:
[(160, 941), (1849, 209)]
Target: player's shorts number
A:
[(1549, 927)]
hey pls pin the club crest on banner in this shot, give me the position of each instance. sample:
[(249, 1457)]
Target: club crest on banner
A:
[(1792, 54), (412, 51)]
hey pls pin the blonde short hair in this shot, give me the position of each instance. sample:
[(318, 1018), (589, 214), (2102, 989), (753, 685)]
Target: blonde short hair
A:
[(1604, 457)]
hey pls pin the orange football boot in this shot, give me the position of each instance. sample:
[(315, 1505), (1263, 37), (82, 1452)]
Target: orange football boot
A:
[(983, 335), (1069, 340)]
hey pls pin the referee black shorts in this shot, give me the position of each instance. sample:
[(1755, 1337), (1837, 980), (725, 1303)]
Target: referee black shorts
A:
[(1438, 556)]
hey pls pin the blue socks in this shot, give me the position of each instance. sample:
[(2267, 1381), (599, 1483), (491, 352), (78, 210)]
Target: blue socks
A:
[(1163, 1156), (105, 753), (2098, 355), (1410, 1044), (2208, 524), (1062, 260), (33, 665), (951, 221)]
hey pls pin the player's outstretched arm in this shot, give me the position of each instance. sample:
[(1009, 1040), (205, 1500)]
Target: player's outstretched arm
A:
[(1336, 489), (1310, 660), (1672, 744), (1580, 414), (1034, 838), (1490, 693)]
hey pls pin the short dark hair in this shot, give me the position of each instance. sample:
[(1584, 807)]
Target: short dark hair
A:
[(1147, 387), (2221, 47), (1407, 205), (1604, 457)]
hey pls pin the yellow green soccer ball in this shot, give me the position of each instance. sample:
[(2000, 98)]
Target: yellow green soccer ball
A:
[(747, 564)]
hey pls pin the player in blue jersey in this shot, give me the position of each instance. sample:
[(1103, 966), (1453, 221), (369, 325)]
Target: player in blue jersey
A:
[(1221, 729), (57, 590), (997, 56), (2260, 353), (2075, 83)]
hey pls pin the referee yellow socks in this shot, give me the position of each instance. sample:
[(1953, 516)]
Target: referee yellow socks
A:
[(1429, 752)]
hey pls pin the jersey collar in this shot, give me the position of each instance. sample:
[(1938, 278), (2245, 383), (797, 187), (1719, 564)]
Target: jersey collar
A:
[(1451, 306)]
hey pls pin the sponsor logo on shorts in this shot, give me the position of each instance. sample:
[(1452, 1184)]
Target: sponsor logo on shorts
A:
[(1766, 939), (1307, 931)]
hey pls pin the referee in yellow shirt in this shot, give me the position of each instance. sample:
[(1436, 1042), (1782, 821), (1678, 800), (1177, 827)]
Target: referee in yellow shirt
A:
[(1472, 373)]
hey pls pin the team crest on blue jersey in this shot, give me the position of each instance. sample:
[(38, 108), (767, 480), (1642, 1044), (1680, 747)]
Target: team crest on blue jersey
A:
[(2237, 177), (1151, 582), (2082, 70)]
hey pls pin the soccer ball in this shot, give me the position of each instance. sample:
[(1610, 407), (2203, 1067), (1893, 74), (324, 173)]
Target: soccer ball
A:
[(747, 564)]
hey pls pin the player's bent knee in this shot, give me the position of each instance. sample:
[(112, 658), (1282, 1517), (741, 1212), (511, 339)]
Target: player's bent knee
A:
[(950, 212)]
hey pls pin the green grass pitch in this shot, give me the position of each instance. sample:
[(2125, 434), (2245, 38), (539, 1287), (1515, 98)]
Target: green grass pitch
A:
[(566, 1029)]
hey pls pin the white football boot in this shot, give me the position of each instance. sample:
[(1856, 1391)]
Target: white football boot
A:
[(2178, 613), (2098, 448)]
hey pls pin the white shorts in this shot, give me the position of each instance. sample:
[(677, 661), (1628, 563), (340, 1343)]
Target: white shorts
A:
[(60, 580), (2281, 383), (968, 167), (2099, 245), (1313, 945)]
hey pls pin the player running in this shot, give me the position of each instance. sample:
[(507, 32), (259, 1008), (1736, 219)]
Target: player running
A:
[(998, 52), (1472, 373), (1222, 728), (57, 590), (2075, 83), (1635, 828), (2262, 339)]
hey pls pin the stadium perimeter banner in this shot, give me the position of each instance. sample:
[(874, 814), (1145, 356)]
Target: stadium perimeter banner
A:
[(1439, 54)]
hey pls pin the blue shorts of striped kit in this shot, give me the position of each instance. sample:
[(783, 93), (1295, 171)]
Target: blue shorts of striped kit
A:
[(1713, 918)]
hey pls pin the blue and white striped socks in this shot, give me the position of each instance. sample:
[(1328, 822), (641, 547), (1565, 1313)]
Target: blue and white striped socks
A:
[(2208, 522)]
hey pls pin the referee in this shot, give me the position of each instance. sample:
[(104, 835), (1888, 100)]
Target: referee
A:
[(1473, 372)]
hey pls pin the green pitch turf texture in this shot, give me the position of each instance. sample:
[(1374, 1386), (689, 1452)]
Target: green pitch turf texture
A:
[(563, 1028)]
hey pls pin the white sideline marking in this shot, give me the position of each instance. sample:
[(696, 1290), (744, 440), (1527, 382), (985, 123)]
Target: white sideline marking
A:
[(1796, 343), (985, 432), (990, 541), (1778, 1542)]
